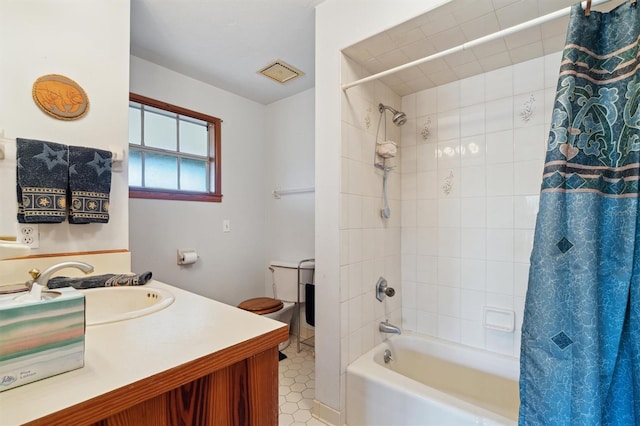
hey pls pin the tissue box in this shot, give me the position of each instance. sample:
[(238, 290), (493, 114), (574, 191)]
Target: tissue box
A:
[(41, 339)]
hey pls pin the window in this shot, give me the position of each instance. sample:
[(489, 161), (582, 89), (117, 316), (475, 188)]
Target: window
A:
[(174, 153)]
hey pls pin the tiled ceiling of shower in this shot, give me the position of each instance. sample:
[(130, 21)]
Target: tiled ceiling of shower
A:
[(458, 22)]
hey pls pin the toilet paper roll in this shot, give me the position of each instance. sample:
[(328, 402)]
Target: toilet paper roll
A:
[(187, 257)]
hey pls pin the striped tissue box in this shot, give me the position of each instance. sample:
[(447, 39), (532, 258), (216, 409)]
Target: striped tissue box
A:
[(41, 339)]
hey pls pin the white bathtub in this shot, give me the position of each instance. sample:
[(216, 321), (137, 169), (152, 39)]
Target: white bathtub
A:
[(431, 382)]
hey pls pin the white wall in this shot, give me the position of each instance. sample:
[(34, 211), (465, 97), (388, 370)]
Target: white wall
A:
[(89, 43), (339, 23), (262, 147), (470, 194), (289, 163)]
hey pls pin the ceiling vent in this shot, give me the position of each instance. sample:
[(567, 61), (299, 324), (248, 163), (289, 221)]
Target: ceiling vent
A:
[(280, 71)]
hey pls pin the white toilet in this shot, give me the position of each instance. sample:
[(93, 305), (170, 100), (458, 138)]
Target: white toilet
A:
[(284, 286)]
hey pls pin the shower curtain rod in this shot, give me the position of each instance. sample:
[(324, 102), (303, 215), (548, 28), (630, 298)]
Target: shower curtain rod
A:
[(468, 45)]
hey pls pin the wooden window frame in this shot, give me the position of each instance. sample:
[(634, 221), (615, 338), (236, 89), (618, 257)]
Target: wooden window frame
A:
[(215, 196)]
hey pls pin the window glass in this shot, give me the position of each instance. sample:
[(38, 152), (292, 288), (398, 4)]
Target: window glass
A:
[(135, 168), (193, 175), (160, 129), (174, 153), (194, 138), (135, 124), (160, 171)]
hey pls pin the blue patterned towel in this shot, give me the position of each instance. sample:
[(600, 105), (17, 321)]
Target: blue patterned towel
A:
[(42, 178), (89, 184), (107, 280)]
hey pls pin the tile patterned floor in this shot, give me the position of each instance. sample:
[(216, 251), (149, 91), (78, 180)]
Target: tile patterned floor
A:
[(297, 387)]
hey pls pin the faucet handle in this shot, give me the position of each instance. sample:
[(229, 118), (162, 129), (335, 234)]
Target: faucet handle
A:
[(35, 273)]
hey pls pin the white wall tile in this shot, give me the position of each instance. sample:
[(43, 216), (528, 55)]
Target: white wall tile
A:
[(520, 279), (471, 305), (552, 69), (449, 183), (426, 102), (472, 333), (449, 154), (428, 241), (449, 328), (427, 297), (473, 212), (472, 151), (500, 179), (409, 295), (427, 185), (473, 181), (473, 272), (472, 119), (449, 271), (499, 115), (449, 242), (427, 157), (473, 243), (525, 211), (530, 143), (448, 96), (427, 129), (449, 213), (500, 277), (522, 245), (427, 323), (499, 147), (427, 269), (500, 244), (529, 109), (500, 212), (528, 76), (449, 125), (427, 213), (528, 178), (472, 90), (499, 84)]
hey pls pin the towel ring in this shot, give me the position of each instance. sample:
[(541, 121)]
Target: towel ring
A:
[(587, 11)]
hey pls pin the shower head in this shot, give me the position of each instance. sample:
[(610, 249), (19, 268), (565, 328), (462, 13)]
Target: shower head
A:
[(399, 118)]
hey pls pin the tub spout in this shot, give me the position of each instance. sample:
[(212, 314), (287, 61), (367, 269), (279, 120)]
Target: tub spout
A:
[(385, 327)]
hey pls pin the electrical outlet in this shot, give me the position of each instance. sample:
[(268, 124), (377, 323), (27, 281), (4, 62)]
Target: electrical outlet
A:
[(29, 234)]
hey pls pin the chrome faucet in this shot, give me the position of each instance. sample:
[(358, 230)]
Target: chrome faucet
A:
[(385, 327), (42, 278)]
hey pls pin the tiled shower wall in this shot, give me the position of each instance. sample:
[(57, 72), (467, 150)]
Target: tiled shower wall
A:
[(369, 245), (472, 158)]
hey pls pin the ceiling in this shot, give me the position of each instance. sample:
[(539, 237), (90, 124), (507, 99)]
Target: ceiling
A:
[(458, 22), (225, 42)]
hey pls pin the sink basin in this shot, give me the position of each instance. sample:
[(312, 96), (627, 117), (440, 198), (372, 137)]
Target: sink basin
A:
[(111, 304)]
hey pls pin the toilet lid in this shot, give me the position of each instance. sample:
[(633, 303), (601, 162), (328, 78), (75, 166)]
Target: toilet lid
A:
[(261, 305)]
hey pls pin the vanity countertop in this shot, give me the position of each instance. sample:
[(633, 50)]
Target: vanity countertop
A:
[(191, 331)]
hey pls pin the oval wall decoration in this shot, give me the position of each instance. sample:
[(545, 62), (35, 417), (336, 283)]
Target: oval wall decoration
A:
[(60, 97)]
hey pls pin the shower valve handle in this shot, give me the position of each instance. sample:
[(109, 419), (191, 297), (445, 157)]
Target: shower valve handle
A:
[(382, 289)]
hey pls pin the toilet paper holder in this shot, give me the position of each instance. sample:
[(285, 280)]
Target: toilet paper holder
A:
[(187, 256)]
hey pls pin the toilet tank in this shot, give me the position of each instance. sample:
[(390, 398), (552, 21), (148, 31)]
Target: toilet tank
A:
[(285, 275)]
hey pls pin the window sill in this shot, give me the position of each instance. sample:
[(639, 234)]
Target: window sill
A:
[(164, 194)]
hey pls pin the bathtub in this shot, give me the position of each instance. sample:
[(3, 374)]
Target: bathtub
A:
[(431, 382)]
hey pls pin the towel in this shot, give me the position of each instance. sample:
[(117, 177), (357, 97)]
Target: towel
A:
[(89, 185), (42, 178), (107, 280), (310, 307)]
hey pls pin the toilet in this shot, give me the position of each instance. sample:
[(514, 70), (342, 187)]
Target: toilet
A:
[(284, 287)]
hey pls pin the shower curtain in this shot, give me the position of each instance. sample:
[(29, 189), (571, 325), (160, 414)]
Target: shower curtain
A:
[(580, 354)]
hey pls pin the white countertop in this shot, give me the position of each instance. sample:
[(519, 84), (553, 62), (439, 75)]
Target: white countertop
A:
[(121, 353)]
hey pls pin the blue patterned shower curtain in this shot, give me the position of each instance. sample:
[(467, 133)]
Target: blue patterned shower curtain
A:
[(580, 355)]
